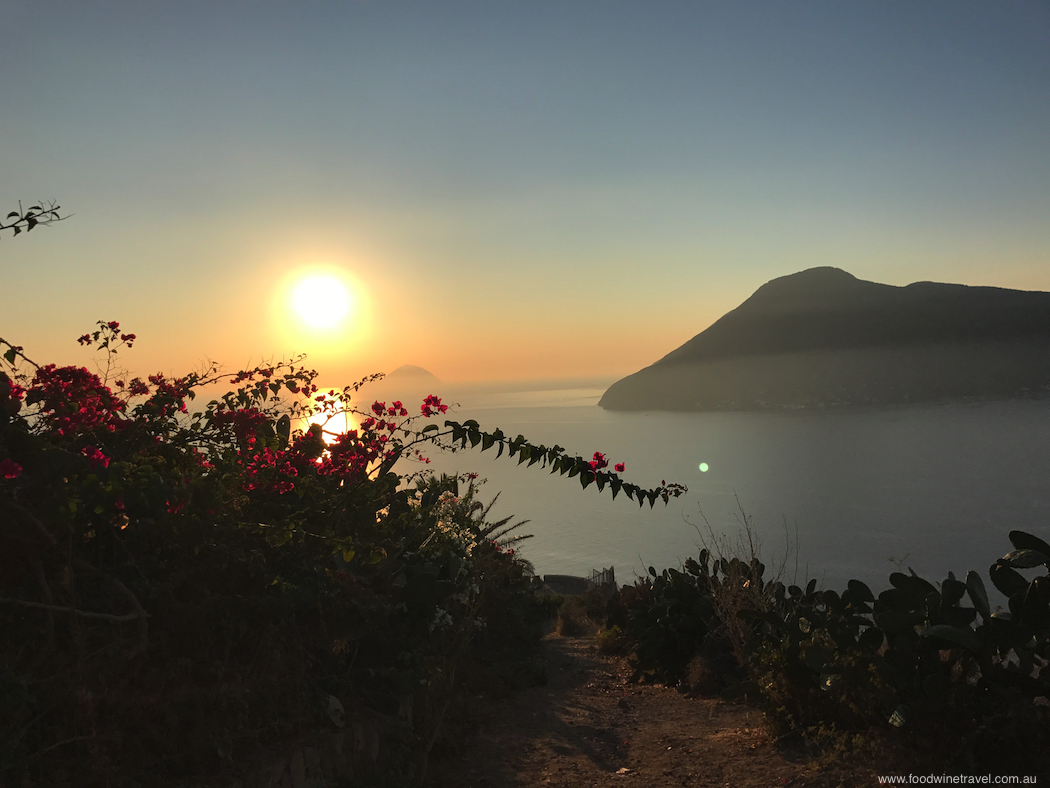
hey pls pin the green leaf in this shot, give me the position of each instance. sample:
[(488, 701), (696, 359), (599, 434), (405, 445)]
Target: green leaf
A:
[(1007, 580), (860, 591), (979, 597), (1024, 559), (430, 428), (1025, 541), (871, 639), (960, 636), (487, 441), (10, 355), (895, 621), (817, 657)]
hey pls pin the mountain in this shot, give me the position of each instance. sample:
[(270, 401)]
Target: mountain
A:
[(411, 374), (822, 337)]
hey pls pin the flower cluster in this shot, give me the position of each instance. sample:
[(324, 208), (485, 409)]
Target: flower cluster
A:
[(432, 405), (599, 461), (106, 335), (395, 409), (11, 395), (10, 469), (245, 421), (270, 471), (73, 399), (95, 457), (350, 455), (441, 619), (452, 528)]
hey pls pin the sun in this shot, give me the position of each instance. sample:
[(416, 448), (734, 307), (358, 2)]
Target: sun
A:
[(321, 301)]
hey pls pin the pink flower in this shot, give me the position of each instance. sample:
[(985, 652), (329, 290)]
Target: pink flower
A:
[(95, 457), (432, 405), (618, 467), (598, 461), (9, 469)]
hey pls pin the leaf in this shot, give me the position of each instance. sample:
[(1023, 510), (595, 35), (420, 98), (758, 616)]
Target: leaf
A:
[(871, 639), (1025, 541), (430, 428), (1024, 559), (979, 597), (487, 441), (816, 657), (860, 591), (960, 636), (10, 355), (895, 621), (1007, 580), (952, 591)]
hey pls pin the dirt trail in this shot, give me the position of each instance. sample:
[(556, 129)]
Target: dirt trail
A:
[(589, 727)]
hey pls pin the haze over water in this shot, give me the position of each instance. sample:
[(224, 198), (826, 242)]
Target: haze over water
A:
[(936, 487)]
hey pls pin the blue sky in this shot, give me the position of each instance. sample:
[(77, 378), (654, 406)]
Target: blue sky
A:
[(513, 190)]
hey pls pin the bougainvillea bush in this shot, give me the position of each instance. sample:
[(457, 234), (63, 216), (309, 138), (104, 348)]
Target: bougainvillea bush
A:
[(184, 584)]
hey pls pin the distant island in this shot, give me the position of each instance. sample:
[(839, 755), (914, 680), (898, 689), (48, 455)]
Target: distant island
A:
[(407, 382), (823, 338), (411, 374)]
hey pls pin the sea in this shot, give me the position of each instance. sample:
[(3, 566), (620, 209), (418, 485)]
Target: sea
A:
[(826, 495)]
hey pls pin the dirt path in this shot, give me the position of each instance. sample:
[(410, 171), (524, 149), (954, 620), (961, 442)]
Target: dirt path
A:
[(590, 727)]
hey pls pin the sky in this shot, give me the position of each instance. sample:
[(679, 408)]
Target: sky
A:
[(509, 190)]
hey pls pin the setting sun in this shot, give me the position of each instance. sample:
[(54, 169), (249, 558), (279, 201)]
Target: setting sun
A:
[(321, 301)]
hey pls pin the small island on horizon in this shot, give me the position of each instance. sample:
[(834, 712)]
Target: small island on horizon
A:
[(822, 338)]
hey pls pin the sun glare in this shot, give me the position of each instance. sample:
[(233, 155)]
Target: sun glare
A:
[(321, 301)]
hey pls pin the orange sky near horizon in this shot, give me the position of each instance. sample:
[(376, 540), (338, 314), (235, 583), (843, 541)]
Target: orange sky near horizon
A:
[(510, 192)]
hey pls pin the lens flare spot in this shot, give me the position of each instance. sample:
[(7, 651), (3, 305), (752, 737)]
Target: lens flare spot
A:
[(703, 467)]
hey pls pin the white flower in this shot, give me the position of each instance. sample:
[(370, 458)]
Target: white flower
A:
[(441, 619)]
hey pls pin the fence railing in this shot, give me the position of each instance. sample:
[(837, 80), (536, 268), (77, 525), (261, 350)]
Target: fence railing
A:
[(601, 577)]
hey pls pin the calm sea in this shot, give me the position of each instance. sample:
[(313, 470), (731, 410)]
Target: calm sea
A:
[(834, 495)]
